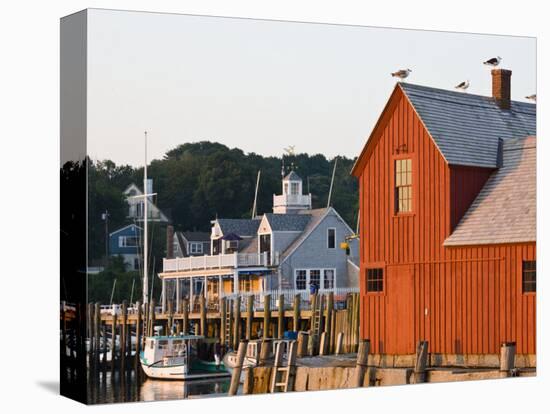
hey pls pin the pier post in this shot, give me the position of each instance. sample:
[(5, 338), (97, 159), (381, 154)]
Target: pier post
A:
[(236, 321), (281, 317), (113, 343), (123, 335), (328, 323), (236, 375), (302, 344), (362, 362), (170, 318), (248, 383), (339, 343), (267, 315), (507, 357), (249, 316), (202, 309), (296, 313), (421, 362), (265, 352), (97, 334), (323, 344), (185, 319)]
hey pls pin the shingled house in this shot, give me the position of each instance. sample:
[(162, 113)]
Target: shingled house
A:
[(448, 225), (289, 249)]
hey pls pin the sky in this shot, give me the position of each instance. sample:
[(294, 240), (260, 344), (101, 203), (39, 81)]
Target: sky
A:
[(264, 85)]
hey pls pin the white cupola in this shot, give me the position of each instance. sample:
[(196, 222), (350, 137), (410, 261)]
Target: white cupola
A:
[(292, 200)]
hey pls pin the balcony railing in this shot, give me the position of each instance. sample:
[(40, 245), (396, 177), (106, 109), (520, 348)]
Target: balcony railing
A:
[(219, 261), (292, 199)]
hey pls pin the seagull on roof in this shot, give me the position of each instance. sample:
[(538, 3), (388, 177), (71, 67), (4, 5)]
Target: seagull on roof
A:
[(494, 62), (532, 97), (463, 85), (401, 74)]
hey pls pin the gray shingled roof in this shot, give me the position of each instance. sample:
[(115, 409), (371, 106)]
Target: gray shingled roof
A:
[(196, 235), (292, 176), (249, 245), (505, 209), (287, 222), (467, 127), (241, 227)]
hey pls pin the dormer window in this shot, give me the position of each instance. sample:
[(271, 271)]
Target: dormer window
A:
[(403, 186), (294, 188)]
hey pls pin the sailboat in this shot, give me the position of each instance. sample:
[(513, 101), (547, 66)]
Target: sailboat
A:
[(171, 356)]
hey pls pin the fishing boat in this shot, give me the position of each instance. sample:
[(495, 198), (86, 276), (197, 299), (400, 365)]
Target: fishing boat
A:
[(252, 355), (175, 357)]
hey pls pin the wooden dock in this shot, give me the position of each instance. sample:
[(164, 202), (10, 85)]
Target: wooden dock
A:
[(327, 326)]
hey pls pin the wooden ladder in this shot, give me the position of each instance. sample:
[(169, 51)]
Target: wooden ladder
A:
[(227, 322), (317, 316), (282, 377)]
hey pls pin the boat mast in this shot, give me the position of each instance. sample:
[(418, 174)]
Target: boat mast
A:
[(145, 241), (254, 207), (332, 182)]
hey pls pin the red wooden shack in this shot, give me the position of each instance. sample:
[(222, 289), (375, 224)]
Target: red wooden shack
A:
[(448, 222)]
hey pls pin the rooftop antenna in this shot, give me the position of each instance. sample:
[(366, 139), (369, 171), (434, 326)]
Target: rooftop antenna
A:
[(254, 207), (332, 182)]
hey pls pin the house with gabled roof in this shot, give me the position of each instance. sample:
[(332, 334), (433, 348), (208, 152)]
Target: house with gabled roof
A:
[(448, 201), (136, 204), (289, 249), (125, 242)]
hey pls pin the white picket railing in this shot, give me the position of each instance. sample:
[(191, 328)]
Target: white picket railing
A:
[(219, 261)]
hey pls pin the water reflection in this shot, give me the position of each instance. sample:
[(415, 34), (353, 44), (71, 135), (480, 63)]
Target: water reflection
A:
[(113, 387)]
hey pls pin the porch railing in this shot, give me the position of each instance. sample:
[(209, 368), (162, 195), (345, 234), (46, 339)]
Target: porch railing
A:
[(219, 261)]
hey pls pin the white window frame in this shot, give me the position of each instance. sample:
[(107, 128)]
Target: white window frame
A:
[(328, 231), (321, 278), (198, 248), (122, 241), (294, 188)]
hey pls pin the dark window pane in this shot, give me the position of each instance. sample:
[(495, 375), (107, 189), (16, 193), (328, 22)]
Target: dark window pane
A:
[(529, 276)]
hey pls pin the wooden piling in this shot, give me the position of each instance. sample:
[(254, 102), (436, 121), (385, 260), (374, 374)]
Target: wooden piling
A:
[(281, 317), (339, 343), (248, 383), (296, 313), (113, 343), (362, 362), (97, 335), (323, 344), (236, 375), (170, 318), (267, 315), (202, 307), (123, 334), (265, 352), (302, 344), (419, 375), (328, 323), (185, 317), (507, 356), (236, 322), (249, 316)]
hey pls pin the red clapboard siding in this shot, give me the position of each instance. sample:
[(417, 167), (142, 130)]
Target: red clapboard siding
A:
[(463, 299)]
